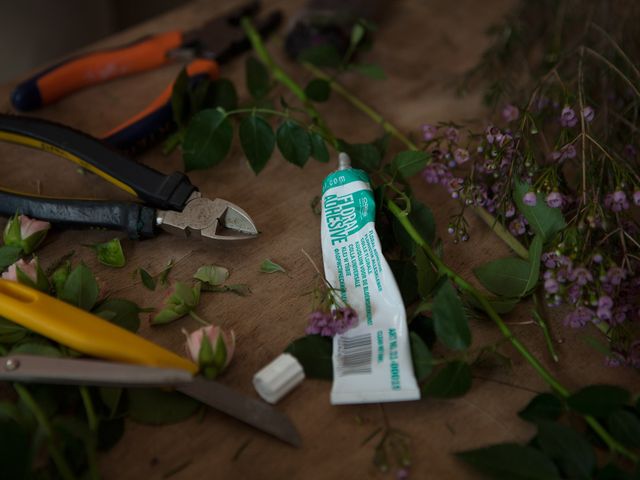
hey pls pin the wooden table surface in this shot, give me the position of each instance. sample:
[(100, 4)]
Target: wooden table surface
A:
[(423, 45)]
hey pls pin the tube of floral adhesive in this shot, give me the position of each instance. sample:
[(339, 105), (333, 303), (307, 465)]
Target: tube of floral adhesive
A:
[(371, 362)]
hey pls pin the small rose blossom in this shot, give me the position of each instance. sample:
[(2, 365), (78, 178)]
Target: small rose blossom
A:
[(26, 233), (530, 199), (211, 348), (510, 113), (29, 269)]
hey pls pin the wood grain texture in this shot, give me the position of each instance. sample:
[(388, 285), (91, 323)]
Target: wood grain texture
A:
[(423, 46)]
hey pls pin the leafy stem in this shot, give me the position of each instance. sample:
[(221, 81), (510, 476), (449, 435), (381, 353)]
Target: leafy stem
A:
[(56, 455), (402, 217), (281, 76)]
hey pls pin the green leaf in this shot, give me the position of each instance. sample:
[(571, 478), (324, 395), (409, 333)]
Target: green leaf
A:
[(405, 274), (11, 332), (126, 313), (257, 140), (318, 148), (535, 252), (512, 461), (15, 451), (207, 140), (450, 319), (507, 277), (625, 427), (147, 279), (427, 275), (357, 34), (544, 406), (423, 327), (598, 400), (81, 288), (314, 354), (370, 70), (197, 95), (112, 398), (613, 472), (159, 407), (257, 78), (365, 156), (9, 254), (324, 55), (318, 90), (179, 105), (421, 356), (221, 93), (452, 380), (423, 221), (109, 433), (568, 448), (267, 266), (109, 253), (212, 274), (543, 220), (41, 348), (410, 162), (294, 143)]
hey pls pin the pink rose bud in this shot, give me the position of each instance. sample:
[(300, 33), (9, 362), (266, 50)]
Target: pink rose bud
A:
[(26, 233), (211, 348), (29, 269), (27, 273)]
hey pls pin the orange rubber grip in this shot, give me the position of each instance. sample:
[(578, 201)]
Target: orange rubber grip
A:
[(196, 67), (98, 67)]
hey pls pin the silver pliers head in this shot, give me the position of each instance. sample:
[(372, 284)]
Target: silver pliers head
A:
[(215, 219)]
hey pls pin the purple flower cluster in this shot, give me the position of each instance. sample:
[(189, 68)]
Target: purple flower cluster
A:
[(329, 324), (597, 293)]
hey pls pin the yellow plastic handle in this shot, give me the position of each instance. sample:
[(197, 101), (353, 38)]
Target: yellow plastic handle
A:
[(81, 330)]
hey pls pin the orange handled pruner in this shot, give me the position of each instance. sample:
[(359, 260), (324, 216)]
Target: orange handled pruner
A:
[(215, 42)]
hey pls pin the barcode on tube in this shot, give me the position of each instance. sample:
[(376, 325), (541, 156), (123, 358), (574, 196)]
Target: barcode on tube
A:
[(354, 355)]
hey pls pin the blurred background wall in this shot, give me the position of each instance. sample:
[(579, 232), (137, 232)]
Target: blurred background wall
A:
[(35, 32)]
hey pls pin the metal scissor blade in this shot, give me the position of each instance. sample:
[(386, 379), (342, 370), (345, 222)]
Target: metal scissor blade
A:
[(66, 371), (249, 410)]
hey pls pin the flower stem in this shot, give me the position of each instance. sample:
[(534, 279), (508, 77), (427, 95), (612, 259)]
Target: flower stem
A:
[(281, 76), (363, 107), (56, 455), (502, 232), (402, 217), (199, 319)]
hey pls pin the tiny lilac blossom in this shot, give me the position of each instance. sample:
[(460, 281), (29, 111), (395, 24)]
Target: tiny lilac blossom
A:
[(510, 113), (554, 199), (461, 155), (636, 197), (568, 117), (530, 199), (588, 113), (429, 132)]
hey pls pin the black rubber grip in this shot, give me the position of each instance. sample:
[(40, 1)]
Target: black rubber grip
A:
[(166, 192), (135, 219)]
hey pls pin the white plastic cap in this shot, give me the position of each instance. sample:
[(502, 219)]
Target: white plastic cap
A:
[(344, 161), (278, 378)]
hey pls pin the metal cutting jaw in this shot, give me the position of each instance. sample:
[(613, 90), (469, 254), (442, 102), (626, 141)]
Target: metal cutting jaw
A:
[(215, 219)]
